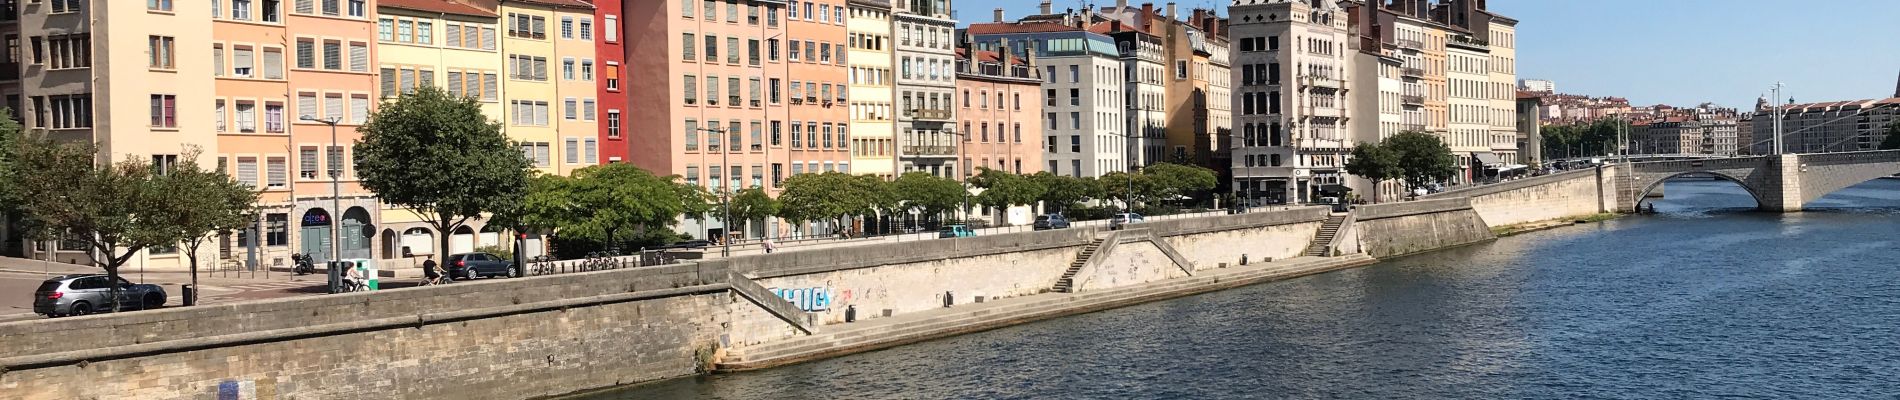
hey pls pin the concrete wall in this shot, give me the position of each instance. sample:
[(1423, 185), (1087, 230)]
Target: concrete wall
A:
[(1130, 263), (1394, 229), (1543, 198)]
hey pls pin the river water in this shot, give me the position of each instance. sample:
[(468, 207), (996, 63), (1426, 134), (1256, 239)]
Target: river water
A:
[(1705, 299)]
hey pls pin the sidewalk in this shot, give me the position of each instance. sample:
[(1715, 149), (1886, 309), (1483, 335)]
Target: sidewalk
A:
[(19, 277)]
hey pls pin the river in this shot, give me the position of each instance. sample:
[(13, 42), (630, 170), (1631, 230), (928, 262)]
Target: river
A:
[(1704, 299)]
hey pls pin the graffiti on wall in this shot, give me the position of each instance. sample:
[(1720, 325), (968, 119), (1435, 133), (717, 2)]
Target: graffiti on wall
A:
[(808, 299)]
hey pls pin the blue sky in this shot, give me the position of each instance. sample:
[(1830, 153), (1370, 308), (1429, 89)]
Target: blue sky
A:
[(1679, 52)]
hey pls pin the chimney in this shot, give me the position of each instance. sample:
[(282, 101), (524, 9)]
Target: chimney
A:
[(1003, 57), (1121, 5), (1170, 10), (1045, 7), (998, 16), (1147, 11)]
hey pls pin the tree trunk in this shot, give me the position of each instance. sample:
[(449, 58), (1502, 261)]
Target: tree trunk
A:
[(193, 256)]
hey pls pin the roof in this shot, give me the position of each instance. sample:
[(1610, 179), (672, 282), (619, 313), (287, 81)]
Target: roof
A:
[(989, 56), (1020, 27), (582, 4), (457, 7), (878, 4)]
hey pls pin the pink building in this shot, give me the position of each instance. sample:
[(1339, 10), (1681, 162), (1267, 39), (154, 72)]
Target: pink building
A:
[(994, 89), (734, 95)]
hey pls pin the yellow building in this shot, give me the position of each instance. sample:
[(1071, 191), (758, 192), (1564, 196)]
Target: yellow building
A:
[(873, 140), (454, 46), (544, 65)]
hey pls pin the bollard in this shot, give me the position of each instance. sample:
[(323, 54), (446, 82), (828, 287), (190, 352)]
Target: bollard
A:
[(850, 313), (1243, 259), (191, 294), (948, 299)]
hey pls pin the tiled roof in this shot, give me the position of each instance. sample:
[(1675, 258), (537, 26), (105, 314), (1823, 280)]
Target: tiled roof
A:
[(442, 6), (1022, 27), (560, 3), (988, 56)]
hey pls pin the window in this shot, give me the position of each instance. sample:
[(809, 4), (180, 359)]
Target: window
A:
[(587, 70), (1180, 69), (527, 26), (612, 70), (219, 122), (307, 162), (359, 57), (65, 51), (528, 67), (567, 69), (732, 50), (359, 109), (307, 105), (425, 32), (688, 44), (405, 31), (587, 29), (386, 29), (276, 174), (332, 55), (613, 124), (570, 109), (567, 27), (612, 28), (273, 117), (164, 111), (158, 5), (692, 92), (306, 53), (692, 135), (246, 117), (528, 113), (572, 147), (587, 109), (358, 8), (159, 48)]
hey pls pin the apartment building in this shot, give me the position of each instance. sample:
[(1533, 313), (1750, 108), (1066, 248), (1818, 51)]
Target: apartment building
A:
[(1530, 130), (1825, 127), (138, 94), (549, 91), (610, 56), (926, 86), (1377, 111), (752, 93), (1083, 81), (872, 88), (1000, 94), (1500, 34), (1467, 80), (1299, 107), (1208, 106)]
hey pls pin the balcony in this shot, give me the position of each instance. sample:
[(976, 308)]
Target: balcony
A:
[(1412, 99), (1413, 127), (1468, 42), (1409, 44), (1324, 82), (1410, 72), (931, 114), (930, 150)]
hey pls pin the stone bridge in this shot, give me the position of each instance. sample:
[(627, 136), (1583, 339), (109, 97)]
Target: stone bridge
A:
[(1778, 182)]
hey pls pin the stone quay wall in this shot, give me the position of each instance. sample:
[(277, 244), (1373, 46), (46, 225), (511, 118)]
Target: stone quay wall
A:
[(1396, 229)]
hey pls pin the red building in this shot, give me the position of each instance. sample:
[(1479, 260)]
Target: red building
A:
[(610, 52)]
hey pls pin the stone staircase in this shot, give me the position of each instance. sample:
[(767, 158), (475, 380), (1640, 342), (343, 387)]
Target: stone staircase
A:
[(920, 326), (1322, 245), (1067, 283)]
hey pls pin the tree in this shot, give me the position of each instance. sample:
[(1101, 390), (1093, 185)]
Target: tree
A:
[(752, 204), (116, 209), (603, 202), (205, 203), (1126, 187), (831, 196), (440, 156), (1892, 141), (1176, 180), (1061, 191), (9, 140), (1002, 189), (1376, 163), (927, 194), (1422, 158)]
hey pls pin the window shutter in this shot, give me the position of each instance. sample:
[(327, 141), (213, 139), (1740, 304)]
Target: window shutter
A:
[(359, 110), (273, 64), (455, 84), (540, 28), (540, 69), (306, 6), (389, 82), (307, 162), (488, 38), (587, 109), (247, 171), (306, 54), (332, 55), (306, 105), (592, 151), (333, 107), (541, 156), (541, 113), (490, 88), (359, 57), (573, 151), (241, 58), (453, 38), (613, 28), (571, 109), (217, 61), (426, 78), (408, 80)]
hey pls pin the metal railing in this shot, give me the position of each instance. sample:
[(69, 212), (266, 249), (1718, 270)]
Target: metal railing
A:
[(595, 262)]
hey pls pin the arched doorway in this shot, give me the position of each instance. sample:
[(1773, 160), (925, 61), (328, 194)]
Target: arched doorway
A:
[(392, 244), (490, 236), (463, 241), (354, 236), (417, 241), (314, 231)]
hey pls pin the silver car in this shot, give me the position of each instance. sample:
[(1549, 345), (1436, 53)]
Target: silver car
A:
[(81, 294)]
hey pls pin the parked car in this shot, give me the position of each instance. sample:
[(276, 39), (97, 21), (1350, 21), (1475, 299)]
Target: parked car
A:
[(955, 231), (1051, 221), (1122, 219), (479, 265), (81, 294)]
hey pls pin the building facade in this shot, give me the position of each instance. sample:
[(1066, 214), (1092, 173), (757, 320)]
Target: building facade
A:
[(1082, 83), (872, 88), (610, 54), (1000, 95), (926, 87), (1300, 107)]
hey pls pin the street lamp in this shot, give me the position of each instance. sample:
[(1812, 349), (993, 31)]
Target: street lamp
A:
[(336, 186), (725, 199)]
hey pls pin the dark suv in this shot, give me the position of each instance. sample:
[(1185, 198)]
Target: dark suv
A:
[(1051, 221), (473, 265), (81, 294)]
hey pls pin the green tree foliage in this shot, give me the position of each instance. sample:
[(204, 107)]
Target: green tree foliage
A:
[(604, 203), (1002, 189), (1582, 139), (439, 156), (1125, 187), (1422, 157), (752, 204), (203, 203), (1892, 142), (927, 194), (832, 196), (9, 142), (1176, 180), (1376, 163), (116, 209), (1062, 192)]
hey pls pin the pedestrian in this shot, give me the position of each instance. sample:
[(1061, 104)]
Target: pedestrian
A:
[(768, 246)]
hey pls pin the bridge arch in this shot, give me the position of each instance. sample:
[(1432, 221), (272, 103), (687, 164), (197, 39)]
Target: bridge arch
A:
[(1643, 195)]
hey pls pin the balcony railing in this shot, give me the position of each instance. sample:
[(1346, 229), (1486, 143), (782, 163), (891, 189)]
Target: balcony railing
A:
[(1412, 72), (1322, 82), (930, 150), (931, 114), (1412, 99), (1413, 127), (1409, 44)]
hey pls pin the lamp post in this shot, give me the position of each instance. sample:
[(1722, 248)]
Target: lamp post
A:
[(336, 186), (725, 199)]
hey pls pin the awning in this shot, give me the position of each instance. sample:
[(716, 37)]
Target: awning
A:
[(1486, 158), (1334, 189), (1512, 167)]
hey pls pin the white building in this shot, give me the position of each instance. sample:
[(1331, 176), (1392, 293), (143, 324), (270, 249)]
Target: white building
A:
[(1294, 69)]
